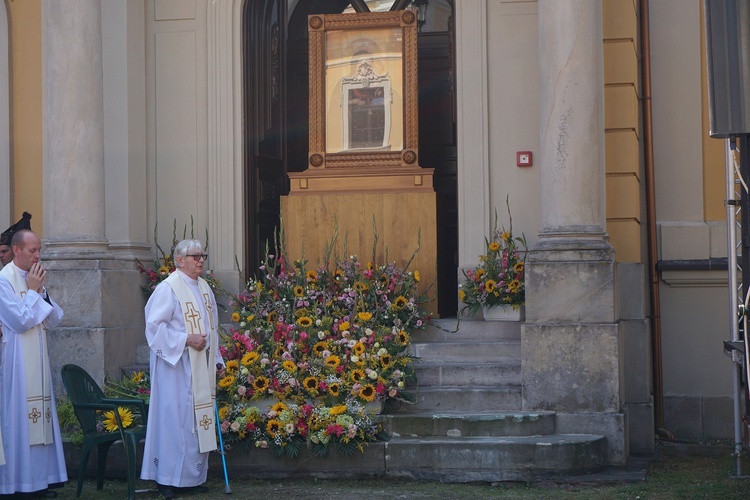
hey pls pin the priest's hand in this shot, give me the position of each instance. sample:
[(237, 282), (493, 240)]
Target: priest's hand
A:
[(35, 278), (197, 342)]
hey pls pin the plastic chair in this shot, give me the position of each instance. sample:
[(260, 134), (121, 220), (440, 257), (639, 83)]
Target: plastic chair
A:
[(87, 397)]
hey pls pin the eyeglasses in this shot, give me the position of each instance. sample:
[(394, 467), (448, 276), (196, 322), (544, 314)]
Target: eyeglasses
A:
[(198, 256)]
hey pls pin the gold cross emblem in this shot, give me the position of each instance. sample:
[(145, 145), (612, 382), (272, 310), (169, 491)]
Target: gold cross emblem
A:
[(206, 422), (34, 415), (209, 309), (192, 319)]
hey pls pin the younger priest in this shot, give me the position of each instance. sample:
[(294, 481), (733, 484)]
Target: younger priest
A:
[(182, 332)]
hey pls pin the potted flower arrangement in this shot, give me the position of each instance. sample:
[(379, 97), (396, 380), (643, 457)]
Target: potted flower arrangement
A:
[(496, 285), (313, 350)]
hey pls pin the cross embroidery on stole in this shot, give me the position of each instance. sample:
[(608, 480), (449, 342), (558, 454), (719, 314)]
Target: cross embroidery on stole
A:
[(192, 319)]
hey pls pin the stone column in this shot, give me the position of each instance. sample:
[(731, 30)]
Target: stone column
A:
[(72, 107), (570, 342)]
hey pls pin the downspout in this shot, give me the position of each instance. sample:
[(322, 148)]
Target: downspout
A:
[(653, 257)]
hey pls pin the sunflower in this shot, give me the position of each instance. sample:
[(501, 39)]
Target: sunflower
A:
[(232, 366), (505, 235), (514, 286), (370, 266), (338, 273), (320, 347), (274, 427), (360, 287), (312, 275), (110, 420), (358, 349), (305, 322), (494, 246), (384, 279), (480, 273), (250, 317), (310, 384), (272, 317), (356, 375), (137, 377), (385, 360), (299, 291), (364, 316), (164, 270), (249, 358), (402, 338), (337, 410), (344, 325), (235, 317), (333, 389), (490, 285), (260, 384), (278, 353), (226, 381), (332, 361), (224, 412), (279, 407), (289, 366), (518, 267), (367, 392), (400, 302), (461, 295)]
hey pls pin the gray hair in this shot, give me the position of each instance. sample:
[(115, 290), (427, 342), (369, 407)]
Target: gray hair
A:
[(186, 246)]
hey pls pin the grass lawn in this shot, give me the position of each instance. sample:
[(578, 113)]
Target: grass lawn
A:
[(670, 478)]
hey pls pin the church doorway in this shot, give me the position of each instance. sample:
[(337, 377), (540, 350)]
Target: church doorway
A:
[(275, 57)]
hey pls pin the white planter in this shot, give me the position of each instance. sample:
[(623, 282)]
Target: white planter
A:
[(503, 313)]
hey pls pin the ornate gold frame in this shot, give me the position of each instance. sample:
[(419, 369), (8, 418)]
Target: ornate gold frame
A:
[(318, 157)]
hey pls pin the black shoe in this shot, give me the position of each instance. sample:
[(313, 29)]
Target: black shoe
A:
[(193, 490), (166, 492)]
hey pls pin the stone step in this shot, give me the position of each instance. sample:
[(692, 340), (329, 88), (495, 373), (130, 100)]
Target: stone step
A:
[(514, 458), (466, 399), (500, 351), (454, 373), (450, 329), (457, 425)]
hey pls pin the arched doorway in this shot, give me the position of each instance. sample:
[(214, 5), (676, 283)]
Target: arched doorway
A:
[(277, 124)]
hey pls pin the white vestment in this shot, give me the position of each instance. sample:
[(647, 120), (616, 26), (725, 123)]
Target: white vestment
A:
[(27, 468), (171, 454)]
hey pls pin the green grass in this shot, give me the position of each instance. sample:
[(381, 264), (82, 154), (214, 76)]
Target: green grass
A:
[(671, 478)]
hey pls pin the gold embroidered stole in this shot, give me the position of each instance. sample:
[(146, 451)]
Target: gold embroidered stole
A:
[(36, 369), (203, 378)]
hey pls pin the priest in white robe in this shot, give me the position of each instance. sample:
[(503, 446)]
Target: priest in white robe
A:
[(182, 332), (32, 444)]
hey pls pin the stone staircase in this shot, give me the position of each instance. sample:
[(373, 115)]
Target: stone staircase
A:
[(467, 423)]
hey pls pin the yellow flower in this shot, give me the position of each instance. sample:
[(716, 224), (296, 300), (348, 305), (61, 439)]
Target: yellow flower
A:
[(367, 392), (298, 291), (164, 270), (400, 302), (364, 316), (305, 322), (479, 274), (385, 360), (402, 338), (250, 317), (494, 246), (332, 361), (289, 366), (274, 427), (310, 384), (249, 358), (272, 317), (279, 407), (505, 235), (358, 348), (338, 410), (137, 377), (312, 275), (110, 421), (258, 286), (356, 375), (518, 267), (224, 412), (490, 285), (260, 384), (416, 276), (461, 295), (344, 325), (226, 381), (232, 366), (235, 317), (319, 348), (370, 266), (360, 287), (333, 389)]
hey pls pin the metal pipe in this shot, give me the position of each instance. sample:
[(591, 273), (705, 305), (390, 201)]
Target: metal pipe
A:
[(648, 160)]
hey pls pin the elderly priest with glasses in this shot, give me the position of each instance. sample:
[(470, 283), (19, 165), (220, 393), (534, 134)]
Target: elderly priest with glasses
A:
[(182, 330)]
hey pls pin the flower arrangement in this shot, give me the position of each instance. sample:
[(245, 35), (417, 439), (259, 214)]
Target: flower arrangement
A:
[(323, 344), (163, 264), (499, 277)]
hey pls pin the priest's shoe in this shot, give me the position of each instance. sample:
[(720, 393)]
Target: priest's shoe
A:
[(166, 492)]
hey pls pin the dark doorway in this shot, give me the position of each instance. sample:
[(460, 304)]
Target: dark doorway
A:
[(277, 126)]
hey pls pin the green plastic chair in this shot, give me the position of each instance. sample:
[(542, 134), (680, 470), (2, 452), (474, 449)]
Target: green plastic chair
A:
[(87, 398)]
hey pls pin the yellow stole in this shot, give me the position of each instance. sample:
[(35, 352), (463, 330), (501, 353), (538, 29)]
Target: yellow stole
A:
[(36, 368), (203, 378)]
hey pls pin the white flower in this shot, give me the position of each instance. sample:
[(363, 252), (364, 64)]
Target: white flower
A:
[(355, 358), (289, 428), (351, 343), (243, 324), (382, 351), (321, 335), (401, 384), (318, 322), (373, 375), (376, 345)]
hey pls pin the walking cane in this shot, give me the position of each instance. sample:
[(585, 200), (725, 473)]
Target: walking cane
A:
[(227, 488)]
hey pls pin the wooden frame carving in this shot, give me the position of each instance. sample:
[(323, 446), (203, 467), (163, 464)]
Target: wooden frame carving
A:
[(347, 47)]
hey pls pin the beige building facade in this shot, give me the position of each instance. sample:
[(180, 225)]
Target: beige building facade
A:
[(117, 118)]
